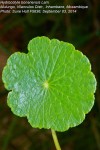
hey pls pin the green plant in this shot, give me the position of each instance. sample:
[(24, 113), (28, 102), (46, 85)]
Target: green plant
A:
[(52, 85)]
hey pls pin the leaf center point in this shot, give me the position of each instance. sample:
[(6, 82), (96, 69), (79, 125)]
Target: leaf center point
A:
[(46, 84)]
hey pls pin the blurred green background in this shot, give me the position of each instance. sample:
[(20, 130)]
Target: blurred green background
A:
[(81, 29)]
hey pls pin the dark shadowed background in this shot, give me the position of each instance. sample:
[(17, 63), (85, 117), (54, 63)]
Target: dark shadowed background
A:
[(81, 29)]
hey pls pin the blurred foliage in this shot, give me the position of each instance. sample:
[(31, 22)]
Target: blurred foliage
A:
[(83, 30)]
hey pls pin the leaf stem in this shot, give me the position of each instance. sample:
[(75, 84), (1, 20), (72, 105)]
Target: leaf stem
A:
[(56, 142)]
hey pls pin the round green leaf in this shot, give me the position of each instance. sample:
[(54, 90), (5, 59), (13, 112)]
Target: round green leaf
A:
[(52, 85)]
